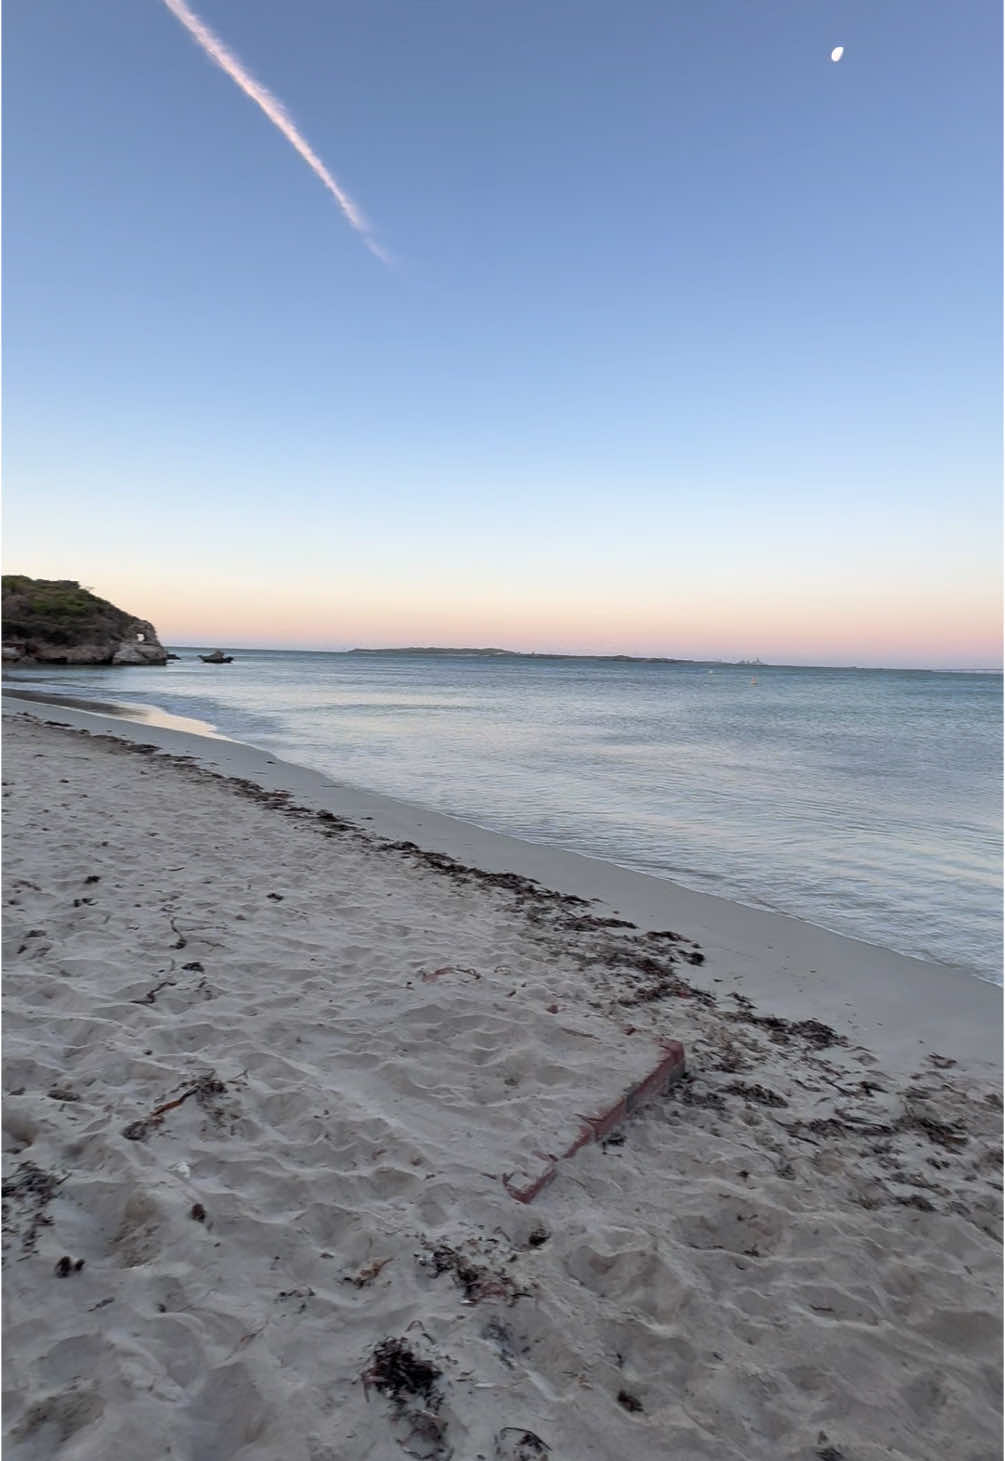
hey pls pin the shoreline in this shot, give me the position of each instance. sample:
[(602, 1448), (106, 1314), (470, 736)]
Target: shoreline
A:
[(900, 1007), (895, 887), (138, 713)]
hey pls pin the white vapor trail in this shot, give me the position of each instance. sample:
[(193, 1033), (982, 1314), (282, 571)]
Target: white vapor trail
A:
[(277, 115)]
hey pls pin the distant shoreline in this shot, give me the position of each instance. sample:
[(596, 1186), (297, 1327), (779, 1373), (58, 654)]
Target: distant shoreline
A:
[(418, 650), (492, 652)]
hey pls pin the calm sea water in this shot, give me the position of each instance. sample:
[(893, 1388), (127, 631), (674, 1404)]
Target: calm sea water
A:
[(868, 802)]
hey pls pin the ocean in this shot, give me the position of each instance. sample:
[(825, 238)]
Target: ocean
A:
[(866, 801)]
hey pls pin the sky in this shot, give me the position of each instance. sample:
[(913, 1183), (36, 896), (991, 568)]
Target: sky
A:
[(655, 330)]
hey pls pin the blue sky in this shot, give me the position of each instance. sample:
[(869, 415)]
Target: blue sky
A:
[(690, 344)]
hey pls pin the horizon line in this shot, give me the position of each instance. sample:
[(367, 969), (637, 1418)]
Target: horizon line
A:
[(495, 651)]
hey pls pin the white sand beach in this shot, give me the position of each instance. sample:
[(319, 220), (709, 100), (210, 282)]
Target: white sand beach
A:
[(272, 1046)]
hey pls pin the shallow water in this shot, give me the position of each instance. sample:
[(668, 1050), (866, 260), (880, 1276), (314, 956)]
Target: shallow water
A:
[(866, 801)]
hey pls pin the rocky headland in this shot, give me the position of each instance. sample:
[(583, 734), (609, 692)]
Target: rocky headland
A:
[(55, 621)]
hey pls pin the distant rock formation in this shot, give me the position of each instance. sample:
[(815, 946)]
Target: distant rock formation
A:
[(56, 622)]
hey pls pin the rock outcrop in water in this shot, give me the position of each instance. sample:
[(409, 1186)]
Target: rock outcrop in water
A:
[(55, 621)]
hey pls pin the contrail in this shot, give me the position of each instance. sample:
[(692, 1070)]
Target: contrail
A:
[(276, 113)]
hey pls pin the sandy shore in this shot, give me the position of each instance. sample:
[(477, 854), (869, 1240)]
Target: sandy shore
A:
[(266, 1071)]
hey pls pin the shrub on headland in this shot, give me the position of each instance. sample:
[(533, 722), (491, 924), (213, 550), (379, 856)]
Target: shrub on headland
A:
[(55, 621)]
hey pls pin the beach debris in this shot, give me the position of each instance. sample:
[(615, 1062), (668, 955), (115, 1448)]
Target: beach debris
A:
[(304, 1294), (757, 1093), (206, 1087), (151, 995), (39, 948), (62, 1093), (947, 1134), (587, 922), (367, 1274), (498, 1335), (516, 1443), (430, 976), (425, 1437), (32, 1189), (68, 1265), (816, 1033), (668, 1071), (478, 1281), (950, 1135), (629, 1402), (398, 1373), (813, 1033), (538, 1236), (913, 1199), (534, 898), (412, 1386), (731, 1059), (643, 974), (331, 825), (663, 983), (197, 1212), (244, 1339), (691, 1092)]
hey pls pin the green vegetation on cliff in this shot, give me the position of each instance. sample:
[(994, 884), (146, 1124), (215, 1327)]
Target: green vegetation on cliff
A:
[(57, 621)]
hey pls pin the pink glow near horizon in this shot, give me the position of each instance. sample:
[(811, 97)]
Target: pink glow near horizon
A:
[(875, 627), (827, 642)]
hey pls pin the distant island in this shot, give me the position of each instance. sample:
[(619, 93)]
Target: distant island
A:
[(642, 659), (54, 621)]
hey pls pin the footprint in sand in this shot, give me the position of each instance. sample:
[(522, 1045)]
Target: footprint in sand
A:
[(136, 1240), (51, 1421)]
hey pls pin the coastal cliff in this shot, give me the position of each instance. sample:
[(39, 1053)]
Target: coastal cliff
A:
[(55, 621)]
